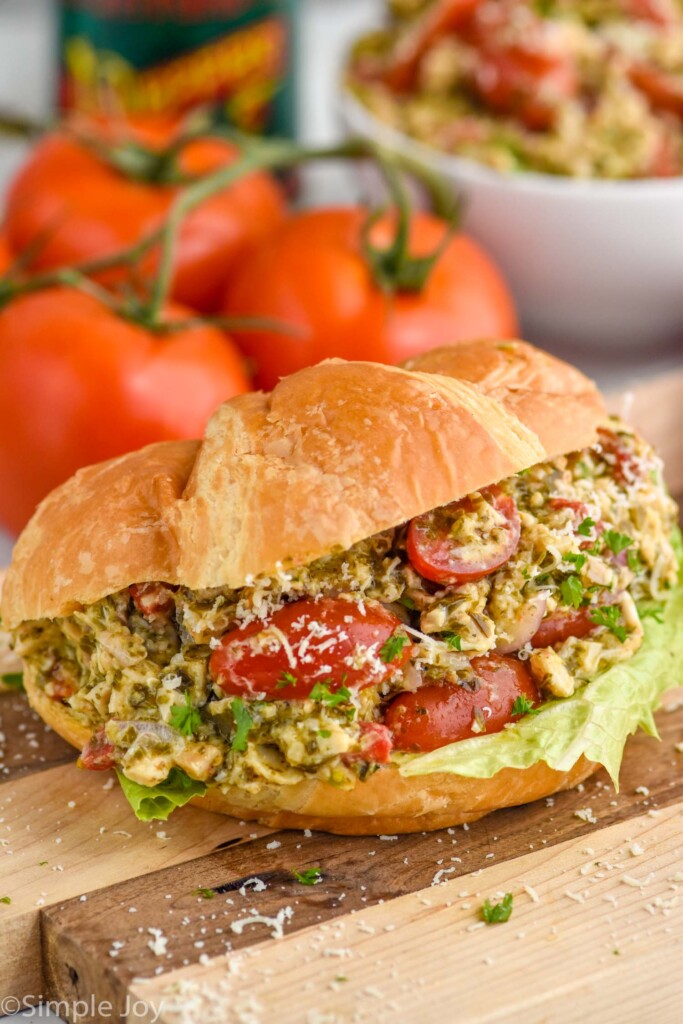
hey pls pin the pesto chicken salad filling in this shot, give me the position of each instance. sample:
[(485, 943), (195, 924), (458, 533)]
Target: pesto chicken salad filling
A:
[(580, 88), (461, 624)]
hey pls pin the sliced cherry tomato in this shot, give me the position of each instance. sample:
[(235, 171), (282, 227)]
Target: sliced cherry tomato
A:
[(562, 624), (577, 507), (530, 86), (436, 715), (661, 12), (307, 642), (626, 466), (376, 744), (152, 599), (665, 162), (98, 753), (440, 18), (663, 89), (61, 686), (443, 552)]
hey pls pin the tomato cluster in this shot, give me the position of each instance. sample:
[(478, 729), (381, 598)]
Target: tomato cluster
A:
[(84, 377)]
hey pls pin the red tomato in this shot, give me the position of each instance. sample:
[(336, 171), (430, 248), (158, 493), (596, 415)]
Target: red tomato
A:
[(78, 384), (307, 642), (561, 625), (312, 274), (376, 744), (152, 599), (71, 206), (436, 552), (436, 715), (98, 753)]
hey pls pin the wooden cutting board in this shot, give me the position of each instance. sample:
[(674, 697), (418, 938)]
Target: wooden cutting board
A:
[(201, 919)]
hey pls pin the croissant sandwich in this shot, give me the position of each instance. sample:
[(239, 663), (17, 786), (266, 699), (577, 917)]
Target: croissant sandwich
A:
[(375, 600)]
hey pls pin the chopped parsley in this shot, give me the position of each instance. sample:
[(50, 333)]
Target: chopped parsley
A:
[(610, 617), (634, 561), (454, 641), (585, 527), (325, 733), (617, 542), (309, 876), (571, 589), (497, 913), (577, 560), (321, 692), (206, 894), (523, 706), (652, 613), (243, 723), (286, 679), (15, 680), (6, 899), (186, 718), (393, 647)]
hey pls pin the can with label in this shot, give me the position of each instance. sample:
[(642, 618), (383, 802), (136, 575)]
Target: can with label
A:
[(160, 59)]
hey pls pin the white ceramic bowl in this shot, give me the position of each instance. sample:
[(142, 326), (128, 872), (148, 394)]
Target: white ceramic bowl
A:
[(592, 263)]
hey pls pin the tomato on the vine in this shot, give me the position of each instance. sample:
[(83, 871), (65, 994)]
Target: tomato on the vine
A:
[(79, 384), (69, 205), (313, 273)]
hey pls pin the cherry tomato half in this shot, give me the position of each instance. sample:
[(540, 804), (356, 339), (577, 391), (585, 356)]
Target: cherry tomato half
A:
[(376, 744), (152, 599), (442, 551), (626, 466), (307, 642), (436, 715), (559, 626), (98, 753)]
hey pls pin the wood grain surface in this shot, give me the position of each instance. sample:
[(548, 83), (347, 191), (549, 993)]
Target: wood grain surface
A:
[(596, 935), (72, 836)]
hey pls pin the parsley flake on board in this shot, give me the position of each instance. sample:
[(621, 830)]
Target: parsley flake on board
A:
[(497, 913), (15, 680), (309, 876), (206, 894), (243, 723), (393, 647), (571, 589), (523, 706), (185, 718), (610, 617), (6, 899)]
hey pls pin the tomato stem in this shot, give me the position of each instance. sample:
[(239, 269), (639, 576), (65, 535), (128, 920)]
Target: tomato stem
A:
[(393, 268)]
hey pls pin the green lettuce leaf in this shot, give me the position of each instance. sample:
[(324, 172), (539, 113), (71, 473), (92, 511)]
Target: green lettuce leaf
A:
[(151, 802), (596, 721)]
